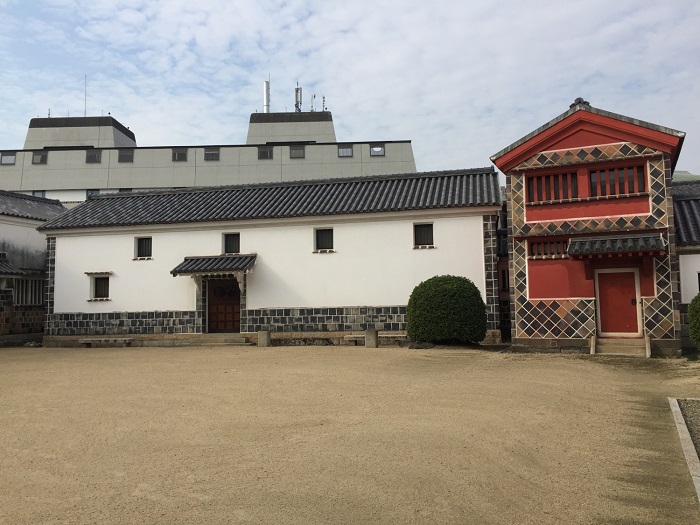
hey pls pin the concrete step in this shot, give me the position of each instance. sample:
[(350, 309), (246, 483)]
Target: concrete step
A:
[(621, 346)]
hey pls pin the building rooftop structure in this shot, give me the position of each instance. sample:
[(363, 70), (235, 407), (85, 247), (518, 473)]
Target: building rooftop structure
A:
[(362, 195)]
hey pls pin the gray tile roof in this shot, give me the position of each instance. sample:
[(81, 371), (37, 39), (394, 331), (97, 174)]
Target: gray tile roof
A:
[(686, 212), (215, 264), (614, 244), (9, 269), (29, 207), (581, 105), (387, 193)]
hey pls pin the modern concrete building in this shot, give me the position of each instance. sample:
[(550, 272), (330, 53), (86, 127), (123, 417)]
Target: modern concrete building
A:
[(329, 257), (72, 158)]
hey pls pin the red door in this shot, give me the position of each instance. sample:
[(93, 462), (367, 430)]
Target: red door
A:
[(617, 302)]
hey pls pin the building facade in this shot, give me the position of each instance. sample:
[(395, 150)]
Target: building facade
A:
[(591, 232), (330, 256), (72, 158), (23, 262)]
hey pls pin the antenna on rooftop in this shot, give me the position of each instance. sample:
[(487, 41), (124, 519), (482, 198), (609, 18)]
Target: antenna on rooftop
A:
[(85, 113), (324, 103), (297, 99), (266, 96), (313, 99)]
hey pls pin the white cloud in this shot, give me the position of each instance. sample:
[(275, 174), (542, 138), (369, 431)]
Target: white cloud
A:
[(461, 80)]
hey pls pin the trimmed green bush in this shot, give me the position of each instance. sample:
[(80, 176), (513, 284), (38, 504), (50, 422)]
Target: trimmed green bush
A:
[(446, 309), (694, 319)]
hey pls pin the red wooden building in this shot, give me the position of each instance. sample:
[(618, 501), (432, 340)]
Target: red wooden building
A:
[(591, 236)]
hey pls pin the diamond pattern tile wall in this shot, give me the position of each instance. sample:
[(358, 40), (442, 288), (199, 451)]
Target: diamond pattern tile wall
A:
[(600, 153)]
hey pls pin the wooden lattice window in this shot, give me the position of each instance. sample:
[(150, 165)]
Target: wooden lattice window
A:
[(552, 187), (548, 249), (617, 181)]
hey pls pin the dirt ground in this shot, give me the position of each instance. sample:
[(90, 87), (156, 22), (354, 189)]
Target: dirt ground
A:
[(306, 435)]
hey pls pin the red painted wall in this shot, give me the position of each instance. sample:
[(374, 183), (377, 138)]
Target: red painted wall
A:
[(592, 208), (566, 278)]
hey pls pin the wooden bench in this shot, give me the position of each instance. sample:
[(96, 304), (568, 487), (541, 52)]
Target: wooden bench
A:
[(360, 338), (120, 341)]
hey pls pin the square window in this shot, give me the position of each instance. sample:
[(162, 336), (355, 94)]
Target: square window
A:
[(423, 235), (179, 154), (126, 155), (232, 243), (39, 193), (125, 190), (211, 153), (93, 156), (345, 150), (90, 193), (8, 158), (324, 239), (376, 150), (264, 152), (100, 287), (297, 152), (40, 157), (144, 247)]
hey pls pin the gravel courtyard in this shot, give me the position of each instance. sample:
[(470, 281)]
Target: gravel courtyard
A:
[(306, 435)]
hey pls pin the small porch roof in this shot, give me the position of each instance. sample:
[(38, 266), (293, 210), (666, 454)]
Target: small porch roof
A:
[(652, 243), (215, 264)]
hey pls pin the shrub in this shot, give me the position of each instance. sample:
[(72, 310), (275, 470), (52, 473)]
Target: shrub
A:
[(445, 309), (694, 319)]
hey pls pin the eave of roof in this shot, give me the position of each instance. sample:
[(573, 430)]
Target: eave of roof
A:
[(617, 245), (361, 195), (29, 207), (581, 105), (215, 264)]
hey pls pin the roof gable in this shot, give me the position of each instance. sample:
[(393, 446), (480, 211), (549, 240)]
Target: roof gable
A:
[(584, 126), (388, 193)]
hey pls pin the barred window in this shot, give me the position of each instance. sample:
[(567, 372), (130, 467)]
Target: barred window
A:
[(345, 150), (29, 292), (422, 235), (100, 287), (232, 242), (548, 249), (8, 158), (324, 239), (297, 152), (554, 187), (211, 153), (144, 247), (376, 150), (617, 181)]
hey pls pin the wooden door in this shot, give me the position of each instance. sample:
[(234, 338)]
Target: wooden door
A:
[(224, 306), (618, 302)]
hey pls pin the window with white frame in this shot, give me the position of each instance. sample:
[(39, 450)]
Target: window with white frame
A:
[(99, 285), (423, 236), (39, 193), (232, 243), (8, 158), (143, 247), (323, 240), (345, 150)]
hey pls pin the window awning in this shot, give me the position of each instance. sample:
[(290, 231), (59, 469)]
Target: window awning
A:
[(617, 245), (9, 270), (215, 264)]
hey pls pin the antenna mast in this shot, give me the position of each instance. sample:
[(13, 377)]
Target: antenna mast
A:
[(297, 99), (85, 113), (266, 96)]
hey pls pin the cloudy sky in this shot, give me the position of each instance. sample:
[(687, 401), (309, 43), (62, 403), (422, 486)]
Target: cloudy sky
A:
[(461, 80)]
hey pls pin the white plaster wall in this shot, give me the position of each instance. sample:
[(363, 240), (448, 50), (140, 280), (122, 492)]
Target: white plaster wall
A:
[(689, 266), (374, 264)]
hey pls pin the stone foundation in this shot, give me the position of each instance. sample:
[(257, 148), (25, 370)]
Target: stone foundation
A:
[(123, 323), (340, 319)]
